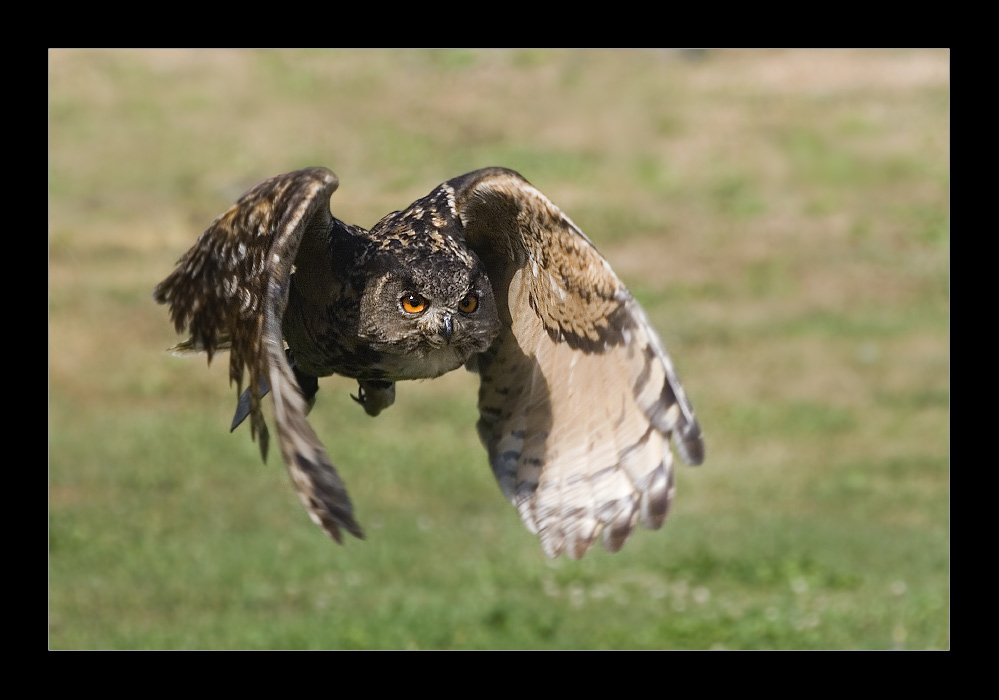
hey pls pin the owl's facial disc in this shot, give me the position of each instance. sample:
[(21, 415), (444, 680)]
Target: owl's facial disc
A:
[(426, 320), (414, 304)]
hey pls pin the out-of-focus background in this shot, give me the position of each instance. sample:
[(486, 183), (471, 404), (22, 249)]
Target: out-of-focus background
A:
[(782, 216)]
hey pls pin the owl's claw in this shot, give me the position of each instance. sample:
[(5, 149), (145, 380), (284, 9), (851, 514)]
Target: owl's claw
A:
[(374, 395), (308, 384), (243, 405)]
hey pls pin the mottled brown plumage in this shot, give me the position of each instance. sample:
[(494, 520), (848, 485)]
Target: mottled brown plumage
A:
[(578, 398)]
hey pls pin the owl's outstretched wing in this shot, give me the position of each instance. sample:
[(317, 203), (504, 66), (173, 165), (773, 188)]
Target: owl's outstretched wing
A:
[(579, 399), (230, 292)]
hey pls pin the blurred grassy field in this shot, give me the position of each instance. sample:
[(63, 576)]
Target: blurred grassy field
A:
[(782, 216)]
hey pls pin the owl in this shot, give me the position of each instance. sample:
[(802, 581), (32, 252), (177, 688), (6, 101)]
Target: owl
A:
[(578, 399)]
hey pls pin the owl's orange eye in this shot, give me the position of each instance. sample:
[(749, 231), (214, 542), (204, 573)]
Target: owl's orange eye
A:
[(468, 304), (413, 303)]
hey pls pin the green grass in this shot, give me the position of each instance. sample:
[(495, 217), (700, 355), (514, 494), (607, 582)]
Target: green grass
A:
[(782, 216)]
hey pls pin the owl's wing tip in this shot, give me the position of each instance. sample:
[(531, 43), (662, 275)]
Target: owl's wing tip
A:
[(691, 445), (333, 524)]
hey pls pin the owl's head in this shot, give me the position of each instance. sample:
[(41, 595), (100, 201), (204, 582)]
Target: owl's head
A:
[(427, 314)]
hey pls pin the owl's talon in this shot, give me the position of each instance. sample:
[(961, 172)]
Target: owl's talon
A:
[(243, 405), (374, 395), (308, 384)]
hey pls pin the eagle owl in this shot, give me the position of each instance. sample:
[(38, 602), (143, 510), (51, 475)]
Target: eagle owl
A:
[(578, 399)]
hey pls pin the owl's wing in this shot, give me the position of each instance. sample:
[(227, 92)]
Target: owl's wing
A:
[(578, 397), (230, 291)]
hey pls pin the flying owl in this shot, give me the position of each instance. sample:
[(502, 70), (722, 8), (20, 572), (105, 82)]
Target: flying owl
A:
[(578, 399)]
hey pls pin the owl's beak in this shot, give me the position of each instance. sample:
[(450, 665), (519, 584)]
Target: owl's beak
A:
[(447, 327)]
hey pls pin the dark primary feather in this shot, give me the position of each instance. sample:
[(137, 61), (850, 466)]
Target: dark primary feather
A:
[(578, 399)]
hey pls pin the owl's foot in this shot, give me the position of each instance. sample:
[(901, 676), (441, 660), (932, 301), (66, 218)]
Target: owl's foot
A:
[(243, 405), (307, 383), (375, 395)]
